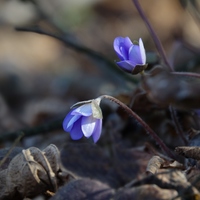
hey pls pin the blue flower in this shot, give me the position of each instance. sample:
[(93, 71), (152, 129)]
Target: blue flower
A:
[(132, 56), (84, 119)]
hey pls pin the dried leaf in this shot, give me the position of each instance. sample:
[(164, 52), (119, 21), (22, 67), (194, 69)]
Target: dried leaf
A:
[(175, 165), (88, 160), (52, 154), (154, 164), (165, 88), (189, 152), (84, 189), (30, 173), (46, 174), (193, 176), (130, 163), (169, 179), (150, 192)]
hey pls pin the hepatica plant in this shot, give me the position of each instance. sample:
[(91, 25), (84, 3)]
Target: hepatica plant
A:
[(84, 119), (132, 56)]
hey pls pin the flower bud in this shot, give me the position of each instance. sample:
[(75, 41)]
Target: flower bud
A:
[(132, 56)]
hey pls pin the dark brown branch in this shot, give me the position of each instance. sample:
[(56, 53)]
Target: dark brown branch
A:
[(42, 129), (70, 42)]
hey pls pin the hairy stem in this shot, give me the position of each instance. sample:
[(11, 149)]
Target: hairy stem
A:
[(163, 55), (144, 124), (191, 74), (153, 35)]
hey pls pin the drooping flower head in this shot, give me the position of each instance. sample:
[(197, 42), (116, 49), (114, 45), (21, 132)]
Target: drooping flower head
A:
[(132, 56), (84, 119)]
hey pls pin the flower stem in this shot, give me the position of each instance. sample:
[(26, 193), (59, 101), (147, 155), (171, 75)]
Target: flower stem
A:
[(191, 74), (159, 45), (144, 124), (153, 35), (163, 55)]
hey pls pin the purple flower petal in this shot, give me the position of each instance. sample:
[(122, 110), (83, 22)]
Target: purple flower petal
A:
[(121, 47), (84, 120), (85, 110), (142, 51), (71, 122), (88, 125), (127, 42), (76, 132), (135, 55), (126, 65), (66, 121), (97, 131), (130, 55)]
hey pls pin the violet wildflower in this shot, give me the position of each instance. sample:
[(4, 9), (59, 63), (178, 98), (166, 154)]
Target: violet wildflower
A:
[(132, 56), (84, 119)]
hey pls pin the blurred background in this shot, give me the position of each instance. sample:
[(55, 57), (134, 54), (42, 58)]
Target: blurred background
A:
[(41, 77)]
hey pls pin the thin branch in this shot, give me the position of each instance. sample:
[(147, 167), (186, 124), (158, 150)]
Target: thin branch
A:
[(191, 74), (153, 35), (71, 43), (163, 55), (44, 128), (144, 125)]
